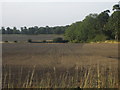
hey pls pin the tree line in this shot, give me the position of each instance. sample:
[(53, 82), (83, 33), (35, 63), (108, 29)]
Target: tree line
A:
[(35, 30), (96, 27)]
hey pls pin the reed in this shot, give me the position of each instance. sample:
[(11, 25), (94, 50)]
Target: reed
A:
[(84, 77)]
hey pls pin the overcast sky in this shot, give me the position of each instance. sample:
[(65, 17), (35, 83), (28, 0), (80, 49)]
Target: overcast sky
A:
[(49, 13)]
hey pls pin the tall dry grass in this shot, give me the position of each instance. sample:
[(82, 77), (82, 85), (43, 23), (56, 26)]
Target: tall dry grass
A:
[(95, 76)]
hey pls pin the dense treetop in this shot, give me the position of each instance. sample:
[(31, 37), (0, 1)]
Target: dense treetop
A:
[(96, 27)]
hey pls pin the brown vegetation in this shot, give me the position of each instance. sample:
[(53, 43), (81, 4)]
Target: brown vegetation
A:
[(60, 65)]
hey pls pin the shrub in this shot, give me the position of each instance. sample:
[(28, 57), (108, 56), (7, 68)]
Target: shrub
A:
[(58, 40), (65, 41), (29, 40), (75, 41), (6, 41), (100, 37), (15, 41), (44, 41)]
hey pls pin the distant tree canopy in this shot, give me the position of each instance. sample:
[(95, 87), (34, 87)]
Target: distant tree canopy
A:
[(96, 27), (35, 30)]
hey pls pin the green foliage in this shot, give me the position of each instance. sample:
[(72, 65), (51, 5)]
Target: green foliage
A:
[(102, 19), (113, 26), (70, 33), (96, 27), (99, 37), (35, 30), (58, 40), (82, 31)]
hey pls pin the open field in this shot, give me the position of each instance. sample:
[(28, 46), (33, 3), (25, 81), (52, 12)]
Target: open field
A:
[(18, 37), (60, 65)]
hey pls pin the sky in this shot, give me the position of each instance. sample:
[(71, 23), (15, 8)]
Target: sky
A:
[(52, 13)]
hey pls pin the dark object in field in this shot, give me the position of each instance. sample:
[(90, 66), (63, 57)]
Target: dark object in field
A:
[(5, 41), (65, 41), (59, 40), (56, 40), (29, 40), (44, 41), (15, 41)]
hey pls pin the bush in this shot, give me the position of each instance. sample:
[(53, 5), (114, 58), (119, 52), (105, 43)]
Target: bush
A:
[(29, 40), (75, 41), (65, 41), (100, 37), (58, 40), (44, 41), (15, 41), (6, 41)]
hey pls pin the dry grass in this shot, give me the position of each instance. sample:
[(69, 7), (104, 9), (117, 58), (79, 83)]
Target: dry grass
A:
[(60, 65), (83, 77)]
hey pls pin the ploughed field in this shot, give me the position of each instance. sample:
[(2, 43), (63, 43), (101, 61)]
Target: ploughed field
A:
[(44, 65)]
